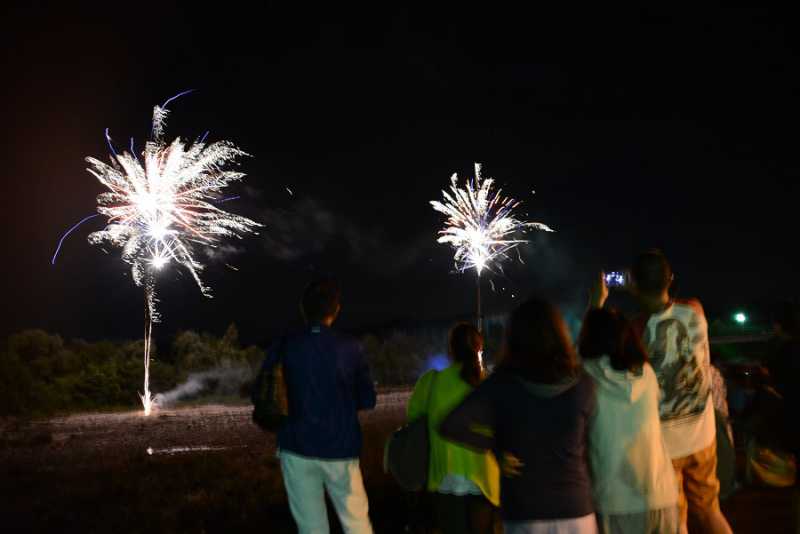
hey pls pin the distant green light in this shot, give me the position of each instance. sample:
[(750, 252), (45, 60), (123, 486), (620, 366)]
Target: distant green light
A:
[(740, 318)]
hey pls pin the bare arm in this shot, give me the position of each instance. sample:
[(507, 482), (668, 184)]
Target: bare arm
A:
[(472, 423)]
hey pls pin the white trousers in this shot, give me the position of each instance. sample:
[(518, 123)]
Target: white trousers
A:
[(307, 479)]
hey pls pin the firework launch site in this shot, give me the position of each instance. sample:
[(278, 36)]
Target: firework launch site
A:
[(199, 464), (237, 228), (209, 469)]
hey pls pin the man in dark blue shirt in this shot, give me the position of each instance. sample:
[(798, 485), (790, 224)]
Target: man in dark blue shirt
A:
[(328, 382)]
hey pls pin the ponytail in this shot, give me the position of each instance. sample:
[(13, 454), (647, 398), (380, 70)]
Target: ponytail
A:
[(465, 345)]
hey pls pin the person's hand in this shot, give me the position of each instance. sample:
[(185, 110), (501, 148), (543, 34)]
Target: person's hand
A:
[(599, 292), (510, 465)]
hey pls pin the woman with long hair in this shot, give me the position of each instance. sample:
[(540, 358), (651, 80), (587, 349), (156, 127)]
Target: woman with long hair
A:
[(464, 484), (633, 481), (534, 412)]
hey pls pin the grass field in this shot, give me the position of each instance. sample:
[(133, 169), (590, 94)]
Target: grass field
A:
[(210, 470)]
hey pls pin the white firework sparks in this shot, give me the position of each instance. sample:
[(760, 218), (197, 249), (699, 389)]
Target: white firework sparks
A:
[(159, 210), (481, 223)]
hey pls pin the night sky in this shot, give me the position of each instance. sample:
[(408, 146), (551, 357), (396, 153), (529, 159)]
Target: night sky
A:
[(636, 129)]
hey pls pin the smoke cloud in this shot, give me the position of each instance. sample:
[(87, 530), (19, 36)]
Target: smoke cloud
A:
[(310, 229), (219, 381)]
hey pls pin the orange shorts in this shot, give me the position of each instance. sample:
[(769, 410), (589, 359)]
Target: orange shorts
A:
[(698, 488)]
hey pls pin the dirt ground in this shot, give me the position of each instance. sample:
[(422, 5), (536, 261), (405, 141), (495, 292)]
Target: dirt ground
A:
[(209, 469)]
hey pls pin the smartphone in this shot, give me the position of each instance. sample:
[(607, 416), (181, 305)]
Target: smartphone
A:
[(616, 279)]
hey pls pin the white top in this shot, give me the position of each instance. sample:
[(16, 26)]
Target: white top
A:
[(631, 468), (677, 342)]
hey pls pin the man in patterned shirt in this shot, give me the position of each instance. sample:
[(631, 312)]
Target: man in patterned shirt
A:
[(675, 334)]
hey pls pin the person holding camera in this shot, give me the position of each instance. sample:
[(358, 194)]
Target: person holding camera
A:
[(675, 334)]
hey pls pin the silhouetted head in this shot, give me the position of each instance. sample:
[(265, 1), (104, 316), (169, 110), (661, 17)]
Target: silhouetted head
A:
[(321, 301), (538, 345), (651, 278), (465, 347), (606, 332)]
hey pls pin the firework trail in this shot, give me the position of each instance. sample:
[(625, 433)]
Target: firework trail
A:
[(162, 207)]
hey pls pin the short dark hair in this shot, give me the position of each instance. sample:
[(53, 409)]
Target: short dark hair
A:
[(652, 272), (320, 299), (605, 332), (538, 346)]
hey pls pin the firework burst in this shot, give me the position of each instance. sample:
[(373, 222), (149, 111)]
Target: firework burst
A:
[(161, 209), (481, 225)]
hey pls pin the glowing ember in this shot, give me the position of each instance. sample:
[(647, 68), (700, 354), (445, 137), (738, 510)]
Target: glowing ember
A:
[(199, 448)]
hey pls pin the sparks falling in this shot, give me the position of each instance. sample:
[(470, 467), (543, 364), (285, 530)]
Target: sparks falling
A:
[(481, 225), (160, 209)]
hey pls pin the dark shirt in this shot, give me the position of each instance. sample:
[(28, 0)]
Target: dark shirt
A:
[(328, 381), (546, 428)]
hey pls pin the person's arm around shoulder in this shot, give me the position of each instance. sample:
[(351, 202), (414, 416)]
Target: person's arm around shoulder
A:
[(472, 423), (366, 398)]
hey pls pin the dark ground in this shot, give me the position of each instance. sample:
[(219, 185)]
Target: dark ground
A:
[(93, 473)]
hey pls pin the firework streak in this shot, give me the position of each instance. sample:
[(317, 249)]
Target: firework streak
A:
[(481, 223), (162, 208), (481, 226)]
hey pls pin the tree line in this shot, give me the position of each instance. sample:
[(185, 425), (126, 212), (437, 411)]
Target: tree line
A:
[(42, 373)]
